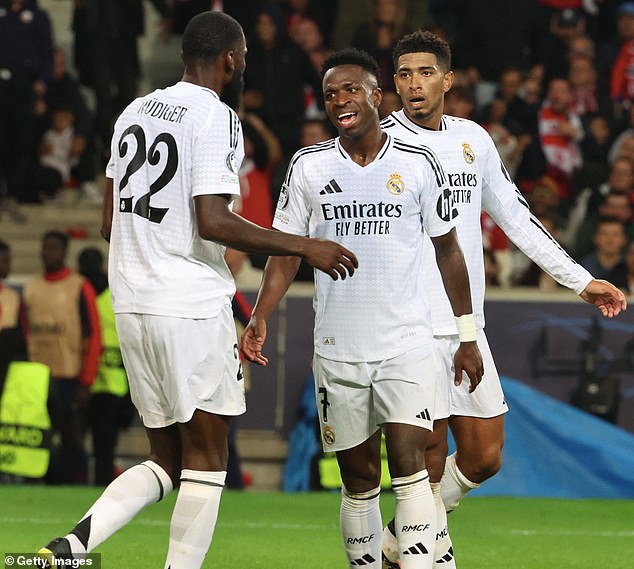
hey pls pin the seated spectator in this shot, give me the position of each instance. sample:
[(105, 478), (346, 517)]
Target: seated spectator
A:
[(606, 261), (582, 77), (625, 131), (9, 298), (624, 148), (378, 36), (595, 145), (615, 205), (58, 153), (497, 243), (459, 102)]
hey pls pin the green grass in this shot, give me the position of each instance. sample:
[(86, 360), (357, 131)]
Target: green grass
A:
[(301, 531)]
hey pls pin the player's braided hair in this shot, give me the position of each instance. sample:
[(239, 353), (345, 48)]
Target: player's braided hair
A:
[(351, 56), (424, 42), (207, 35)]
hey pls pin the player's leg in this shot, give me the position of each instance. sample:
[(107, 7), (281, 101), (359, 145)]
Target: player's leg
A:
[(415, 516), (477, 424), (435, 456), (478, 456), (125, 496), (210, 391), (348, 427), (360, 515), (204, 442)]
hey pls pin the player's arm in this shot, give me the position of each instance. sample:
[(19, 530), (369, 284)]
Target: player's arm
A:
[(510, 210), (279, 273), (107, 210), (456, 281), (216, 222)]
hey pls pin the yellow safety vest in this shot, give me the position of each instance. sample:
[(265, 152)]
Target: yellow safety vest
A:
[(25, 425), (330, 477), (111, 377)]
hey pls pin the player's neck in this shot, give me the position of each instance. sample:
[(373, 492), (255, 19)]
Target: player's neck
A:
[(431, 122), (363, 150), (204, 77)]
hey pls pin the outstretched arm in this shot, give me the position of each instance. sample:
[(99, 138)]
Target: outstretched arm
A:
[(609, 299), (279, 273), (216, 222), (456, 280)]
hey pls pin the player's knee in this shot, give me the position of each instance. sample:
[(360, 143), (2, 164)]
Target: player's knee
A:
[(170, 464), (487, 464), (362, 480)]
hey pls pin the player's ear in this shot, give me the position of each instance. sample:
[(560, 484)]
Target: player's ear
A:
[(229, 62), (447, 81), (377, 97)]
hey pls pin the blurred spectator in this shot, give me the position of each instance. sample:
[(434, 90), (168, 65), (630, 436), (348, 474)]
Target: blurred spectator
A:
[(566, 24), (583, 82), (64, 91), (625, 148), (533, 275), (58, 152), (320, 12), (616, 205), (262, 153), (491, 268), (26, 66), (560, 132), (12, 346), (378, 36), (626, 131), (62, 328), (610, 50), (496, 242), (314, 131), (620, 179), (107, 57), (629, 266), (606, 261), (110, 405), (274, 80), (459, 102)]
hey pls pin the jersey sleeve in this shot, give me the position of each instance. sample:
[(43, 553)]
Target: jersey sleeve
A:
[(292, 214), (509, 209), (438, 211), (218, 150)]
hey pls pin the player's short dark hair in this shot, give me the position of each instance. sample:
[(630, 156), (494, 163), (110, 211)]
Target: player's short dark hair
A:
[(351, 56), (424, 42), (207, 35), (4, 247), (61, 237)]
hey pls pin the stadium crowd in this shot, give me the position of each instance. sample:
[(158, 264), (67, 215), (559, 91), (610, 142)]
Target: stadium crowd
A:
[(550, 80)]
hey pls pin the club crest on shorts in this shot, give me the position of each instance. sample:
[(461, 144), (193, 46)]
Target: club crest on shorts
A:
[(329, 435), (468, 153), (395, 184)]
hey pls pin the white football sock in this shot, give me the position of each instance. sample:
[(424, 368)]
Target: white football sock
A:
[(122, 499), (361, 527), (389, 544), (443, 553), (454, 485), (194, 518), (415, 521)]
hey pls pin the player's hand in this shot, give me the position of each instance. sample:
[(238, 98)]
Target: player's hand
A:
[(604, 295), (252, 341), (468, 359), (331, 258)]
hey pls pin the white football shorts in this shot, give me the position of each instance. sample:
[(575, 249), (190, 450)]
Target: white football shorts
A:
[(488, 398), (178, 365), (355, 399)]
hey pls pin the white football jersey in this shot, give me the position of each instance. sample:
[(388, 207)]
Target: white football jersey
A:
[(168, 147), (379, 212), (479, 181)]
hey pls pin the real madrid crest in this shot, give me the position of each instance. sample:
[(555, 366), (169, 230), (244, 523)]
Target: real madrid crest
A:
[(395, 185), (469, 155), (329, 435)]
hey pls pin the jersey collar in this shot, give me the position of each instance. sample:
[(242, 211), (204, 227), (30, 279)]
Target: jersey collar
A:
[(345, 156), (401, 118), (57, 275)]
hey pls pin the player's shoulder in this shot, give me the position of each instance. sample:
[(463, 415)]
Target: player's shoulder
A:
[(418, 155), (314, 152), (462, 126)]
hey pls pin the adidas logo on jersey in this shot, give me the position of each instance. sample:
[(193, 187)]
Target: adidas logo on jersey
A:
[(331, 188)]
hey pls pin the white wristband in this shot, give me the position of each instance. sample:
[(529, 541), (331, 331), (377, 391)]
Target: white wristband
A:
[(466, 328)]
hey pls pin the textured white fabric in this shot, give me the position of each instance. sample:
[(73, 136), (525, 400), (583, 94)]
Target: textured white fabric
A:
[(479, 181), (168, 147), (360, 519), (380, 212)]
